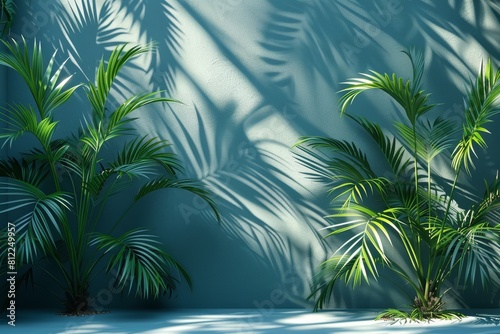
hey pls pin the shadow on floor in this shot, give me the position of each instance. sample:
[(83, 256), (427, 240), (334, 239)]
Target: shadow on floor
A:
[(242, 321)]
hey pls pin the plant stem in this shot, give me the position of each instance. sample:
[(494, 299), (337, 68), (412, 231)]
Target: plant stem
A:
[(417, 198)]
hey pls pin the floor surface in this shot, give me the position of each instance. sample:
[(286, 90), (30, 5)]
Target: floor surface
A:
[(242, 321)]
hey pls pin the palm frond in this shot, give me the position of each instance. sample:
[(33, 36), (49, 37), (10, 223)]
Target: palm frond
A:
[(30, 172), (482, 105), (92, 138), (326, 277), (40, 214), (350, 172), (43, 82), (417, 62), (193, 186), (366, 247), (57, 148), (474, 244), (351, 186), (140, 262), (349, 151), (7, 14), (475, 250), (117, 118), (106, 73), (315, 162), (489, 206), (413, 101), (393, 152), (432, 138), (96, 184), (142, 154), (20, 119), (139, 158), (439, 136)]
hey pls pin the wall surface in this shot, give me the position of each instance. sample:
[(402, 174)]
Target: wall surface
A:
[(253, 77)]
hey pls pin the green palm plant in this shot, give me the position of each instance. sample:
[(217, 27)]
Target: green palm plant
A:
[(413, 209), (7, 14), (57, 192)]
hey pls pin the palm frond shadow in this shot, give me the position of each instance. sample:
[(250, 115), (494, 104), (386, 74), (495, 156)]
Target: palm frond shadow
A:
[(150, 15), (293, 30), (253, 171), (92, 29), (426, 18), (260, 200), (89, 29), (260, 203), (301, 30), (273, 95)]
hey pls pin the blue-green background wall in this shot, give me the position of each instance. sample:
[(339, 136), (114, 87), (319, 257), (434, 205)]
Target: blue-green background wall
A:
[(253, 76)]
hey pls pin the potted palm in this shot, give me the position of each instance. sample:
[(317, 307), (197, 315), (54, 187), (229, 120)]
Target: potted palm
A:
[(59, 219), (401, 200)]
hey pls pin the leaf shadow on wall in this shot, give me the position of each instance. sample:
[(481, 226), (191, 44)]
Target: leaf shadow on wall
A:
[(300, 55)]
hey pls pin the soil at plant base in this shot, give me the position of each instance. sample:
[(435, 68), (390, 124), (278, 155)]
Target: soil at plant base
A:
[(82, 313)]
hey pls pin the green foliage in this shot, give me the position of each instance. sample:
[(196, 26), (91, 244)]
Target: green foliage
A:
[(60, 220), (417, 315), (7, 14), (413, 205)]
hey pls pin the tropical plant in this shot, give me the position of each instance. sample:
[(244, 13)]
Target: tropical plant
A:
[(397, 197), (7, 13), (58, 191)]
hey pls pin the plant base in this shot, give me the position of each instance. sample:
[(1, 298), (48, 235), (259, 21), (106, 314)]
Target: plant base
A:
[(82, 313), (79, 305), (416, 315)]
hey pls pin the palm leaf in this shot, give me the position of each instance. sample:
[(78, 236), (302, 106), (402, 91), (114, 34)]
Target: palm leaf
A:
[(393, 152), (418, 64), (315, 162), (350, 173), (349, 151), (92, 138), (474, 249), (117, 118), (140, 262), (97, 183), (30, 172), (366, 247), (474, 244), (482, 106), (20, 119), (432, 138), (351, 185), (326, 276), (190, 185), (413, 101), (8, 11), (141, 155), (44, 84), (40, 215), (138, 158), (106, 73)]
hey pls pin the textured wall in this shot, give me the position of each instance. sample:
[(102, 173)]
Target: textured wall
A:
[(255, 75)]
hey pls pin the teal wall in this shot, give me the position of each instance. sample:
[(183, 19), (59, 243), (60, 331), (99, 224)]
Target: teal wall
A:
[(253, 76)]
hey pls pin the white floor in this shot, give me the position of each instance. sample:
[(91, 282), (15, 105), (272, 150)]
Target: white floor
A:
[(242, 321)]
